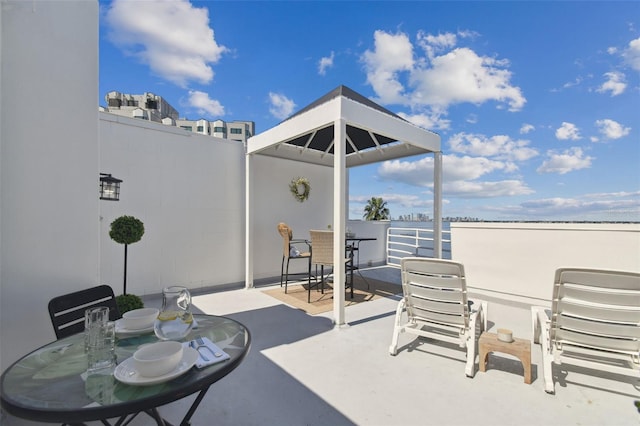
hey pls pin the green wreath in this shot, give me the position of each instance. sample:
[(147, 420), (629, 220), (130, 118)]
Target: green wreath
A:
[(294, 187)]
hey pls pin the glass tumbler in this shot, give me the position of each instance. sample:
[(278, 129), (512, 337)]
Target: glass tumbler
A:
[(99, 340)]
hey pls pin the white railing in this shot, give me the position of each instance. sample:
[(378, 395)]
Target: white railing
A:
[(405, 242)]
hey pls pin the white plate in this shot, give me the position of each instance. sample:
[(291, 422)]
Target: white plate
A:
[(126, 372), (122, 331)]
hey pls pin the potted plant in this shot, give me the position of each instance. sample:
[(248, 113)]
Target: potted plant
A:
[(128, 302), (127, 230)]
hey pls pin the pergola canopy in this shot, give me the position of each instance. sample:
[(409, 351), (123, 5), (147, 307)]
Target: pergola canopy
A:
[(343, 129), (373, 133)]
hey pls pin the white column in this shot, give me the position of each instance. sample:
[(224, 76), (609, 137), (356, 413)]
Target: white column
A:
[(437, 205), (339, 191), (248, 231)]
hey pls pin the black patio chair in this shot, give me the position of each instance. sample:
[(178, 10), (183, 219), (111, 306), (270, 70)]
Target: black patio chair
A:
[(67, 311)]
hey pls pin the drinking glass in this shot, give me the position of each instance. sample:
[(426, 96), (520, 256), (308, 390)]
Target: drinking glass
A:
[(99, 340)]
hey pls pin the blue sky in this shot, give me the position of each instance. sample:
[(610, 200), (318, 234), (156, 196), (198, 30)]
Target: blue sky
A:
[(537, 103)]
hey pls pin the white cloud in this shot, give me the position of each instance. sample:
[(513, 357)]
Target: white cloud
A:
[(576, 82), (568, 131), (472, 119), (431, 120), (461, 179), (432, 44), (281, 106), (499, 146), (615, 83), (441, 77), (614, 206), (172, 37), (605, 206), (205, 105), (631, 54), (565, 162), (391, 54), (324, 63), (526, 128), (504, 188), (611, 129), (468, 168), (460, 176), (420, 172), (460, 76)]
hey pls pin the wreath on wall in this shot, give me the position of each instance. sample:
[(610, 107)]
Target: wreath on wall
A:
[(300, 188)]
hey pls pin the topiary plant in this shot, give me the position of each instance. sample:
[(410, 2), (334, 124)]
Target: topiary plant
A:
[(128, 302), (126, 230)]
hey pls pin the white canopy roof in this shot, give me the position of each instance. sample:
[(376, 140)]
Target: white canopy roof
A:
[(343, 129), (373, 133)]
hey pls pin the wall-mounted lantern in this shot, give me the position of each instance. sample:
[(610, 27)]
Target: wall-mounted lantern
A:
[(109, 187)]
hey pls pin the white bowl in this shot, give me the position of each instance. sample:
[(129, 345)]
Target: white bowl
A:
[(158, 358), (505, 335), (139, 318)]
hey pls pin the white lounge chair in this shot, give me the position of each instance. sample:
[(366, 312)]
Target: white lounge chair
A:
[(436, 305), (594, 323)]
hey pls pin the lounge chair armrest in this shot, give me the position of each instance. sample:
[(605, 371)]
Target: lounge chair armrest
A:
[(540, 322), (479, 307)]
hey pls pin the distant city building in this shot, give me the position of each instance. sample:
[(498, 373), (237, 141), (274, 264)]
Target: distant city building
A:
[(414, 217), (154, 108), (234, 130), (146, 106)]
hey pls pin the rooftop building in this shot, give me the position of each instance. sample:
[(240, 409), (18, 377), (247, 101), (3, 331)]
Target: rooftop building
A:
[(149, 106), (146, 106)]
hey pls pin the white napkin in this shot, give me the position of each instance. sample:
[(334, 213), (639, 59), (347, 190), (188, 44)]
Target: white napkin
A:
[(206, 356)]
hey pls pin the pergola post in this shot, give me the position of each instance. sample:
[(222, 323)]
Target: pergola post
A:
[(437, 204), (248, 223), (339, 192)]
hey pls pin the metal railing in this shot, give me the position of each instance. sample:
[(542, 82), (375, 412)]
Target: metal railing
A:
[(406, 242)]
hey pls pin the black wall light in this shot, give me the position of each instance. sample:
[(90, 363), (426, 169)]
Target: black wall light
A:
[(109, 187)]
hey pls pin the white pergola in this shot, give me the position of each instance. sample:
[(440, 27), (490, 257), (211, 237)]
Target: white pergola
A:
[(343, 129)]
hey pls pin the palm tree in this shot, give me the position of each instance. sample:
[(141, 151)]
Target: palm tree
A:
[(376, 209)]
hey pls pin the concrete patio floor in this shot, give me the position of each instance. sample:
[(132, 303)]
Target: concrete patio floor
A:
[(303, 371)]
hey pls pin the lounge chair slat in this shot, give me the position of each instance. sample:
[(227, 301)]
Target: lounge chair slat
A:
[(416, 266), (597, 342), (607, 296), (439, 318), (604, 279), (434, 293), (435, 281), (575, 308), (439, 307), (608, 329)]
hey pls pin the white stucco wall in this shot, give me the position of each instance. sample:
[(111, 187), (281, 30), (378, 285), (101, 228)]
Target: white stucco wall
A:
[(273, 203), (49, 168), (188, 190), (520, 259), (371, 252)]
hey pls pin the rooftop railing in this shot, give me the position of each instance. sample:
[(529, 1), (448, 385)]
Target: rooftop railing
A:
[(405, 242)]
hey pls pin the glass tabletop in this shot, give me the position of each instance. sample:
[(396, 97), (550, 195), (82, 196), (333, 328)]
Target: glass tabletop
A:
[(50, 383)]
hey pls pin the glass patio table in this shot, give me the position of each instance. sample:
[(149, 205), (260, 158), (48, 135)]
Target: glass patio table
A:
[(50, 383)]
